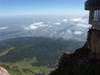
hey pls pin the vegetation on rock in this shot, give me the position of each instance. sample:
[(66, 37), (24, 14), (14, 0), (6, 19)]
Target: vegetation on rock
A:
[(81, 62), (62, 58)]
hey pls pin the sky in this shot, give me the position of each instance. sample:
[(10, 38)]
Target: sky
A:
[(41, 7)]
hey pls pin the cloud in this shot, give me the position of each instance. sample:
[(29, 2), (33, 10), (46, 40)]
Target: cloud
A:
[(78, 32), (36, 25), (82, 25), (1, 28), (79, 19), (31, 27), (57, 23), (69, 31), (64, 19)]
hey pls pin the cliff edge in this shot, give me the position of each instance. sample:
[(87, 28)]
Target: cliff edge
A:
[(84, 61)]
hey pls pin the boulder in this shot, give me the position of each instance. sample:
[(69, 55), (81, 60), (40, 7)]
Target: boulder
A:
[(3, 71)]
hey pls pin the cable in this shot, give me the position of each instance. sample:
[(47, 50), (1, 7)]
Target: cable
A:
[(70, 26), (64, 29)]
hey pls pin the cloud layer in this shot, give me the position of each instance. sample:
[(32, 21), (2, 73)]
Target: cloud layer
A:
[(69, 31), (82, 25), (1, 28), (78, 32), (64, 19), (79, 20), (57, 23), (36, 25)]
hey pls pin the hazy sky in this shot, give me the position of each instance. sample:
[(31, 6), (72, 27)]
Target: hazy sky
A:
[(41, 7)]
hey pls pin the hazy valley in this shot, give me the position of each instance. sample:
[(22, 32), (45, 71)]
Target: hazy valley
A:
[(27, 43)]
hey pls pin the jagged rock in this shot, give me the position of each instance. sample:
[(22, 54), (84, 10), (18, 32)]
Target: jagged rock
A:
[(50, 72), (78, 66), (90, 58), (81, 59), (85, 61), (65, 61), (3, 71)]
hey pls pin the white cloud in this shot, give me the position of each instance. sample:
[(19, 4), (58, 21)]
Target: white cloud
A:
[(36, 25), (39, 24), (64, 19), (57, 23), (33, 27), (79, 19), (82, 25), (78, 32), (1, 28), (69, 31)]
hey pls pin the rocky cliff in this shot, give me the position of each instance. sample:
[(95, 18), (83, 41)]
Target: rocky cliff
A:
[(93, 42), (84, 61)]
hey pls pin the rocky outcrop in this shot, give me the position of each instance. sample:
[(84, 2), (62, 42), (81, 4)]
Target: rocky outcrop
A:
[(83, 59), (3, 71), (93, 42)]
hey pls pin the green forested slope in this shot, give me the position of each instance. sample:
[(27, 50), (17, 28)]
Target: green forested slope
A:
[(38, 54)]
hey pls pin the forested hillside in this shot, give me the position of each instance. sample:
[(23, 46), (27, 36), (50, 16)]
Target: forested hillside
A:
[(38, 54)]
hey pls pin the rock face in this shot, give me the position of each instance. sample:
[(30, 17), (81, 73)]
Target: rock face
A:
[(3, 71), (85, 61), (93, 42), (82, 58)]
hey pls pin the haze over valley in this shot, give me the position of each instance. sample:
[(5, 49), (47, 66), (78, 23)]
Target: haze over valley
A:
[(31, 41), (35, 33), (23, 26)]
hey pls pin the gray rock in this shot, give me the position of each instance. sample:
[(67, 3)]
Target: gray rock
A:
[(3, 71)]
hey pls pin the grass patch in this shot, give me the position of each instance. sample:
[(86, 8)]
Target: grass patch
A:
[(6, 51), (26, 64), (42, 69), (17, 71)]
